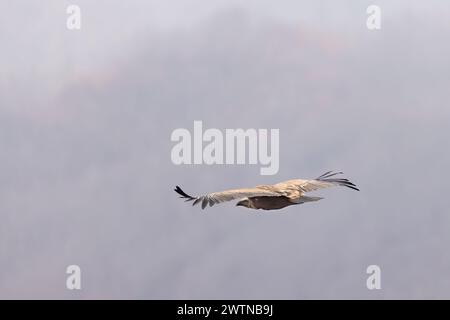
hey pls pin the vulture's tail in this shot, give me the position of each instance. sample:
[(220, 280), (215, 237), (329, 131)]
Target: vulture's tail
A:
[(326, 177), (304, 199)]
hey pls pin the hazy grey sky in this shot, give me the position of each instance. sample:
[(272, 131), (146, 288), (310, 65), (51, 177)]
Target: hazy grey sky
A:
[(86, 176)]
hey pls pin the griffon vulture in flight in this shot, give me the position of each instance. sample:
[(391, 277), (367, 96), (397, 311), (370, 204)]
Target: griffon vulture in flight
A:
[(271, 197)]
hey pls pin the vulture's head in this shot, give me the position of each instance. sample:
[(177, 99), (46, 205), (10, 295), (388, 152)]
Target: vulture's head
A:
[(243, 203)]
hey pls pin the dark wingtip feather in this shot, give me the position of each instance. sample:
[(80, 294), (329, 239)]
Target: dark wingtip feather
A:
[(354, 188), (183, 194), (323, 175), (329, 174), (340, 181)]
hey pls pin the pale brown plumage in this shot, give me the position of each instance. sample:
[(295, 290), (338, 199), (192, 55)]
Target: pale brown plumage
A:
[(271, 197)]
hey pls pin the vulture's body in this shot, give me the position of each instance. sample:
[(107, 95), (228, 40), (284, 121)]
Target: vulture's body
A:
[(271, 197)]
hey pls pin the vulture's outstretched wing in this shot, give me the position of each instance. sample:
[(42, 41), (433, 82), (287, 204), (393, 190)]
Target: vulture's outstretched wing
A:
[(324, 181), (228, 195)]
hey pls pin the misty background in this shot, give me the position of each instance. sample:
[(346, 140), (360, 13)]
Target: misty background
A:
[(86, 176)]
